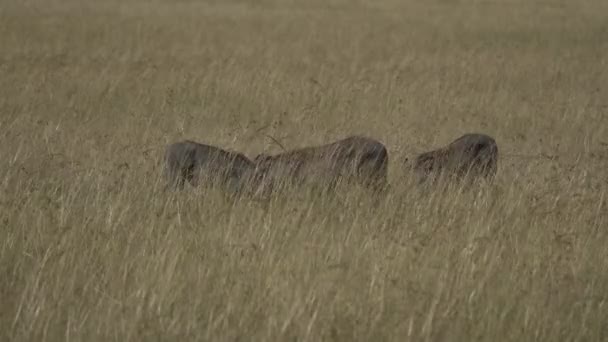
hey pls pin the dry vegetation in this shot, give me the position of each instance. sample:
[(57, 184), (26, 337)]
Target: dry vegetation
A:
[(92, 249)]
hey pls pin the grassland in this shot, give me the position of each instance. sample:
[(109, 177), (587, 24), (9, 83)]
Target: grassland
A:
[(91, 249)]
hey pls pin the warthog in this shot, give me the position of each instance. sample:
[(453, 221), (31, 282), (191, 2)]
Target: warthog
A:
[(355, 159), (204, 164), (471, 156)]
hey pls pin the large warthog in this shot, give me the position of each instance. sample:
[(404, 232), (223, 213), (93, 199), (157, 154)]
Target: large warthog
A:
[(201, 164), (470, 157), (356, 159)]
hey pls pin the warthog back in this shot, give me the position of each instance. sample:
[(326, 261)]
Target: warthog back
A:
[(355, 159)]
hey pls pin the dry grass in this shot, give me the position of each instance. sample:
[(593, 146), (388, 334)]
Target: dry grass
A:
[(90, 249)]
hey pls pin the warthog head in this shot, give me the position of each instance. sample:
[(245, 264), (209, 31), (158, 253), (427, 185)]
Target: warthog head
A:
[(202, 164)]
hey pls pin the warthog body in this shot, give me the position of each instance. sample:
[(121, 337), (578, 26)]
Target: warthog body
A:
[(355, 159), (471, 156), (204, 164)]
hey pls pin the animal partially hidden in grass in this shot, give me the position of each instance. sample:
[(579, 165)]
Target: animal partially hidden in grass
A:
[(471, 157), (201, 164), (355, 159)]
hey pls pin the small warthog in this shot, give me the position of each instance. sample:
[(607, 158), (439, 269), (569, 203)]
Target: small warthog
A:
[(469, 157), (204, 164), (355, 159)]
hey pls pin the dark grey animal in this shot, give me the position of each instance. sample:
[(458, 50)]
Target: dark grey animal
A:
[(201, 164), (355, 159), (472, 156)]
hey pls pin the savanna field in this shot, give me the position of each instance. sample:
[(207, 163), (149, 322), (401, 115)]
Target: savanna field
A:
[(93, 249)]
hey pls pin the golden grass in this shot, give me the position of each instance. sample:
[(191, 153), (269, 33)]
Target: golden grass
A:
[(92, 249)]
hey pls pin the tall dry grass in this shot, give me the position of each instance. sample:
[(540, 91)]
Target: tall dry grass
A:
[(92, 249)]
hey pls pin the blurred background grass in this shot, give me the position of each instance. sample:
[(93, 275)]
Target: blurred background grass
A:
[(93, 91)]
